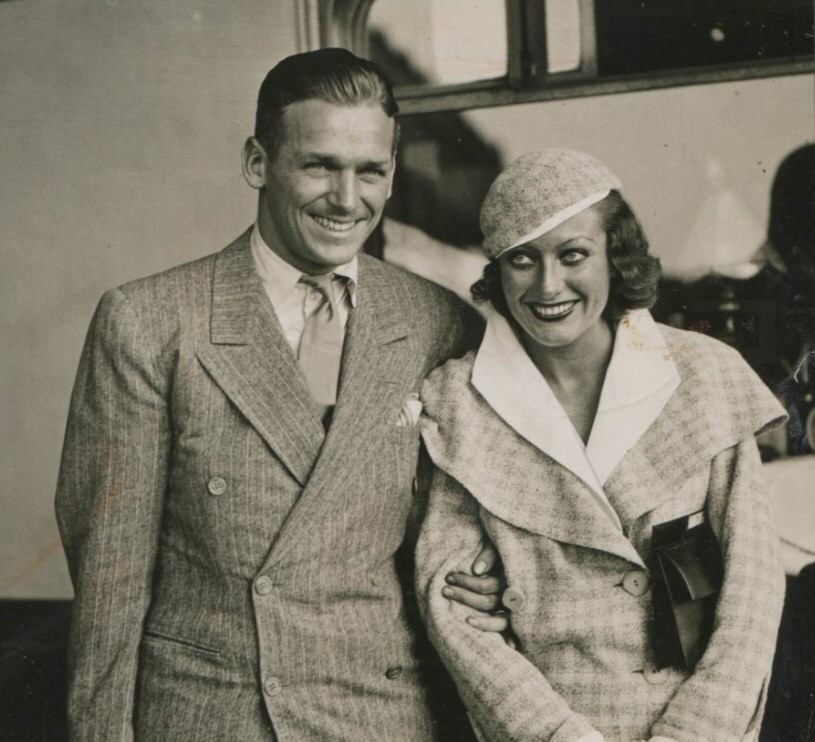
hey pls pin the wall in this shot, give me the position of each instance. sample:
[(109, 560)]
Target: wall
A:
[(122, 122), (660, 143)]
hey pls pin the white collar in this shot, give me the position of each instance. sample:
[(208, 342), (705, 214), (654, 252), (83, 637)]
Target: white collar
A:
[(640, 379), (281, 278)]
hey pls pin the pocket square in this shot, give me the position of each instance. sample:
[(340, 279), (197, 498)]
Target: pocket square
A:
[(410, 412)]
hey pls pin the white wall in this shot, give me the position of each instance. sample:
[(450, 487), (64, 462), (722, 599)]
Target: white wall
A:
[(122, 122)]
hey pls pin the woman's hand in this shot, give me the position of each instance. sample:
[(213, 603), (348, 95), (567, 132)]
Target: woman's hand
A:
[(481, 590)]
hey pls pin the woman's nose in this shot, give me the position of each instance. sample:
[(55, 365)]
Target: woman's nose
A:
[(550, 280), (344, 190)]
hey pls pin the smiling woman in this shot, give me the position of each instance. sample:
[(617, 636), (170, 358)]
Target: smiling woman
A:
[(579, 429)]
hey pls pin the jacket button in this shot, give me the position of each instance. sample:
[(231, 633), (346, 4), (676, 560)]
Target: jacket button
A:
[(216, 486), (415, 485), (272, 686), (655, 675), (263, 585), (393, 672), (636, 583), (512, 598)]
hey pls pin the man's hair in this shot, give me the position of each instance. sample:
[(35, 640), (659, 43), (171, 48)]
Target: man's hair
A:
[(634, 272), (333, 75)]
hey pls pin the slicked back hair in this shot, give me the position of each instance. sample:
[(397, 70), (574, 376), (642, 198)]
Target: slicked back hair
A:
[(333, 75)]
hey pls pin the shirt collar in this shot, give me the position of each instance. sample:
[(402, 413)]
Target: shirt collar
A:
[(281, 278)]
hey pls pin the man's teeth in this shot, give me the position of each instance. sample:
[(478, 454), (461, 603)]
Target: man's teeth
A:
[(548, 311), (333, 225)]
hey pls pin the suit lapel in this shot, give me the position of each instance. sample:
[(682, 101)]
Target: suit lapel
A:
[(378, 366), (249, 358)]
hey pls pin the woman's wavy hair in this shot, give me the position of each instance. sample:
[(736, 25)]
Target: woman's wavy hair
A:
[(634, 272)]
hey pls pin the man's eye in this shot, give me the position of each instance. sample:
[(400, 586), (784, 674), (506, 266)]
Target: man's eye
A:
[(372, 173), (316, 168)]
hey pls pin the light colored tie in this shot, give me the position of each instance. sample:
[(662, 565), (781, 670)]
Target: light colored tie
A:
[(320, 350)]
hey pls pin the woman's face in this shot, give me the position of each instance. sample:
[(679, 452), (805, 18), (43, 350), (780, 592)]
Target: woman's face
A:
[(557, 286)]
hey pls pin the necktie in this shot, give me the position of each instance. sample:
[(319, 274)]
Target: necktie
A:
[(321, 345)]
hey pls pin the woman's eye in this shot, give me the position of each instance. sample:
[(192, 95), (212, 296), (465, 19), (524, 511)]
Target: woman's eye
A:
[(573, 257), (520, 260)]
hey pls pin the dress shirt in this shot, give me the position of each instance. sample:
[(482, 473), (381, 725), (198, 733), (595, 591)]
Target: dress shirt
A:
[(292, 301)]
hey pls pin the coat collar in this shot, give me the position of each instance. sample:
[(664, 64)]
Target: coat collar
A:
[(640, 379)]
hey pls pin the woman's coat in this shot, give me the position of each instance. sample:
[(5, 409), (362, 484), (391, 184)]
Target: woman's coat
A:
[(673, 436)]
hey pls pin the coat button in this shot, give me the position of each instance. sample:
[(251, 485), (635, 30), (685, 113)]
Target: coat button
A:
[(415, 485), (272, 686), (393, 672), (512, 598), (263, 585), (636, 583), (216, 486), (655, 675)]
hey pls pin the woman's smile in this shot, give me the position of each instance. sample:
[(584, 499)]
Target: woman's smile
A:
[(552, 312)]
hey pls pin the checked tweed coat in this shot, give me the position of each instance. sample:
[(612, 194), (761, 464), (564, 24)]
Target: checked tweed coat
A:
[(233, 564), (578, 582)]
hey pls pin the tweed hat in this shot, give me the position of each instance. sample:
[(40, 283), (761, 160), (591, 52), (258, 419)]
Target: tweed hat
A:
[(539, 191)]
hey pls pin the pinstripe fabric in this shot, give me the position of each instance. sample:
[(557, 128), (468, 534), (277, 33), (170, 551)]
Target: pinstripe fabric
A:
[(585, 661), (233, 565)]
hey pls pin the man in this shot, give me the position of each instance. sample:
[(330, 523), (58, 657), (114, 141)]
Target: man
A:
[(230, 512)]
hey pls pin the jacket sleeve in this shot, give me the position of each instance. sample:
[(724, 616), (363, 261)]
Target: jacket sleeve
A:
[(506, 696), (108, 503), (723, 699)]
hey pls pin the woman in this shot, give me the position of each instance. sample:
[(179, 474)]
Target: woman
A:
[(578, 426)]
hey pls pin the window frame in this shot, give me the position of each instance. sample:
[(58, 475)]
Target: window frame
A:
[(344, 23)]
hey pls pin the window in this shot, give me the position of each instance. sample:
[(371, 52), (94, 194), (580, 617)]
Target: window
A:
[(458, 54)]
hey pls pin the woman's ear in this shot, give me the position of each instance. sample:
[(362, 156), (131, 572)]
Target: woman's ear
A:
[(254, 161)]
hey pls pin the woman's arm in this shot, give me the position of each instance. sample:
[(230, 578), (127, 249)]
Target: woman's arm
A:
[(506, 696), (724, 698)]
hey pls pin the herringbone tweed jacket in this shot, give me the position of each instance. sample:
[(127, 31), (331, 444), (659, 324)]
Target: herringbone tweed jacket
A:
[(580, 598), (233, 564)]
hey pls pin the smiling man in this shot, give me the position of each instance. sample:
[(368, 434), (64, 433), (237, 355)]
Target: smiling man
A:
[(239, 466)]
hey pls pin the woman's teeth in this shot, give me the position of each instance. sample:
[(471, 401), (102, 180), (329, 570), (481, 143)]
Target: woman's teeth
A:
[(333, 225), (552, 311)]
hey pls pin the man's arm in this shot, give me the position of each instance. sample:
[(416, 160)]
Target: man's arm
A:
[(109, 503)]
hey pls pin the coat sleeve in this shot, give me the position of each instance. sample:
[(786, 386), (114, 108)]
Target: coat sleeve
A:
[(506, 696), (108, 503), (723, 700)]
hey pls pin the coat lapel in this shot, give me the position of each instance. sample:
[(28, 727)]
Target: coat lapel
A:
[(378, 366), (508, 475), (249, 358)]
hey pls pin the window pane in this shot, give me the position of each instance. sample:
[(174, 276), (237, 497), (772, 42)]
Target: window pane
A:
[(562, 35), (441, 41)]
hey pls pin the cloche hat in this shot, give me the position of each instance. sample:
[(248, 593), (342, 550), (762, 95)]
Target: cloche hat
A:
[(539, 191)]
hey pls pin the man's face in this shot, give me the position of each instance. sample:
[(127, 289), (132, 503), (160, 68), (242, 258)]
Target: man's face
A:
[(324, 189)]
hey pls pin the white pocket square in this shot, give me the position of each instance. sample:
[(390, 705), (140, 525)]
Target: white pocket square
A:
[(410, 412)]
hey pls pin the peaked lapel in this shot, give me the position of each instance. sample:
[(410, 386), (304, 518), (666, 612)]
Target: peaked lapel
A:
[(249, 358), (378, 368)]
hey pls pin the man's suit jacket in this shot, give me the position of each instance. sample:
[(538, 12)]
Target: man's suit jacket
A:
[(578, 584), (233, 564)]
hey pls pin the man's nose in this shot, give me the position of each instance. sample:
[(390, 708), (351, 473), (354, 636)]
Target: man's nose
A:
[(344, 190)]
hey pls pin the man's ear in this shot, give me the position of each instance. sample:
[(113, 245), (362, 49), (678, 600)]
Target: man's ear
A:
[(253, 163), (392, 173)]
